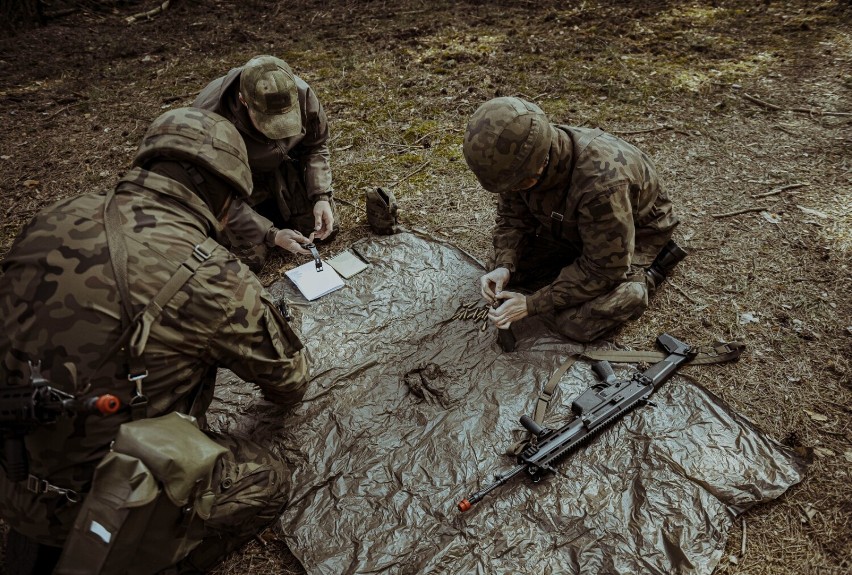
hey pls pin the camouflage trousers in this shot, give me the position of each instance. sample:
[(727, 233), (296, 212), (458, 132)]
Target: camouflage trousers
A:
[(251, 488), (252, 485), (540, 264), (281, 197)]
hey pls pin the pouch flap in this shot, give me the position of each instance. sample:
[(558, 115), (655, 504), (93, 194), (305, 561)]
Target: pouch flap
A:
[(179, 454), (124, 481)]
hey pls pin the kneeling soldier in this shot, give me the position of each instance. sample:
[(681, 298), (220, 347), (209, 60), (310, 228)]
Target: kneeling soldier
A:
[(75, 284), (581, 218)]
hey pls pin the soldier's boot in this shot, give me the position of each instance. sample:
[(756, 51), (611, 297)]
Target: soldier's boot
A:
[(665, 262), (382, 211)]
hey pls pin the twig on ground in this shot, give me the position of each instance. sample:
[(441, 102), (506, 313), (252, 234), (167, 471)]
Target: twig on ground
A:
[(779, 190), (153, 12), (170, 99), (738, 212), (431, 132), (60, 110), (409, 174), (345, 202), (743, 543), (683, 293), (645, 131), (760, 102)]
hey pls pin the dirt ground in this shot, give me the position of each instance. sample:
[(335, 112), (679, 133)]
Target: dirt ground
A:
[(744, 106)]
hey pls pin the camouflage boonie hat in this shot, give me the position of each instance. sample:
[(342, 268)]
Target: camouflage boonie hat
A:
[(201, 137), (269, 89), (507, 140)]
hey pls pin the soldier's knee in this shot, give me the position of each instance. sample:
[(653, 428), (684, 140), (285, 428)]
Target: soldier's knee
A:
[(596, 317)]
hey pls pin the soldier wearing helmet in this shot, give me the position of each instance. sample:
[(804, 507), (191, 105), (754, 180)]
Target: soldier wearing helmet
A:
[(583, 227), (286, 132), (65, 317)]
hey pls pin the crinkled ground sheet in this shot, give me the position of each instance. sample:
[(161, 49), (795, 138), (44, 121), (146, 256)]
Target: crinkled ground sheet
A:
[(410, 411)]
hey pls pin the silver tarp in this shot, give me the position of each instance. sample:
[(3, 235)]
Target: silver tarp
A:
[(410, 411)]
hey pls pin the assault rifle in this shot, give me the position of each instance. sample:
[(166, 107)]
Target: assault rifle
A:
[(23, 408), (594, 409)]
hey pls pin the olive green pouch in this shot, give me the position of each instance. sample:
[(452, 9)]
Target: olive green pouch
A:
[(149, 498), (382, 211)]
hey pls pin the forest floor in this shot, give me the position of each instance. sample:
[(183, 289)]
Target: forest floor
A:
[(744, 106)]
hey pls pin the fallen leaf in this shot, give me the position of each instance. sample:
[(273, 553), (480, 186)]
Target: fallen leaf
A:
[(812, 212), (808, 512), (771, 218), (847, 455), (748, 317), (816, 416), (823, 452), (31, 183)]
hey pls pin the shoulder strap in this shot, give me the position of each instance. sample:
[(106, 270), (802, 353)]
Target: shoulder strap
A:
[(580, 146), (135, 331)]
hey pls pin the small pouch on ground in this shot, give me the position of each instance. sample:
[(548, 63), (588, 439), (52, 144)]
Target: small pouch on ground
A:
[(382, 212), (149, 498)]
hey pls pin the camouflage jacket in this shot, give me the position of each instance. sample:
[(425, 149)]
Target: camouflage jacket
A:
[(309, 148), (614, 215), (59, 305)]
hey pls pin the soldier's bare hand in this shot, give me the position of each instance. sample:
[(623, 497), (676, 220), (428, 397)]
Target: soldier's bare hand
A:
[(292, 241), (493, 283), (323, 219), (513, 308)]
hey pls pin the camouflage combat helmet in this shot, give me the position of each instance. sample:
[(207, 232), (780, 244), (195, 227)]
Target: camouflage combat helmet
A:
[(200, 137), (507, 141)]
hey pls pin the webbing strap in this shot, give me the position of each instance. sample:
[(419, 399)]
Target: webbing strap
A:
[(118, 259), (718, 352), (135, 331), (547, 392), (152, 311), (582, 143)]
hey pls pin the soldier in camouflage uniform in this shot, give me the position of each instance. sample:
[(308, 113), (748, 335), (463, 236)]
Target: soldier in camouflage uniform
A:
[(286, 133), (59, 306), (580, 219)]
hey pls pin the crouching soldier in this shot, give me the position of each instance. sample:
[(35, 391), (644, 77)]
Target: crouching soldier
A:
[(129, 294), (583, 225), (286, 134)]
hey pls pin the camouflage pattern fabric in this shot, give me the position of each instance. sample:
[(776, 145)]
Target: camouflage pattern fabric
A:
[(614, 216), (505, 142), (250, 485), (382, 211), (269, 159), (202, 138), (59, 305)]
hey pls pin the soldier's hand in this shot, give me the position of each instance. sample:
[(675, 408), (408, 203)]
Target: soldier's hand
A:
[(323, 219), (493, 283), (513, 308), (292, 241)]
